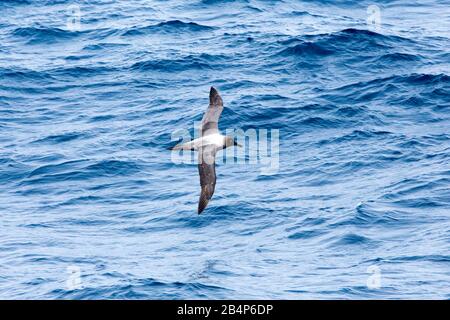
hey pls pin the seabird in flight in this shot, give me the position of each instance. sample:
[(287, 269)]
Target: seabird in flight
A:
[(207, 145)]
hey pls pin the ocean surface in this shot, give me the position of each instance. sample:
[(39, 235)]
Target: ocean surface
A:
[(92, 205)]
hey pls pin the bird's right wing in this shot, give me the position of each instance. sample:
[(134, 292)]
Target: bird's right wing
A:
[(207, 171), (210, 121)]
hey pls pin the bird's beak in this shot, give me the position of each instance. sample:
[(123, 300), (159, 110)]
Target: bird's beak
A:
[(239, 145)]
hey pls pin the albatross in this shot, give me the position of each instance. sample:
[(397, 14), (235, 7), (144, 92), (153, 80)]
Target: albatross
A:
[(210, 141)]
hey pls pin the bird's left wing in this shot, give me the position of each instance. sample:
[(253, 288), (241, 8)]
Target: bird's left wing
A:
[(207, 171), (210, 121)]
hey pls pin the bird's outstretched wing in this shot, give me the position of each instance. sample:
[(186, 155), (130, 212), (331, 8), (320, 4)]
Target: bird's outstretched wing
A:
[(210, 121), (207, 171)]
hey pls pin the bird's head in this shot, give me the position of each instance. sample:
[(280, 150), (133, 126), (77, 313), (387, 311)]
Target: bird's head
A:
[(230, 142)]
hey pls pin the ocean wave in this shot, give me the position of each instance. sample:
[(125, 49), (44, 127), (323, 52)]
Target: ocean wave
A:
[(104, 45), (40, 34), (215, 2), (358, 135), (340, 43), (352, 239), (373, 214), (82, 71), (22, 74), (168, 27), (398, 57), (15, 2), (143, 289), (190, 62), (60, 138), (393, 86), (79, 170), (307, 234)]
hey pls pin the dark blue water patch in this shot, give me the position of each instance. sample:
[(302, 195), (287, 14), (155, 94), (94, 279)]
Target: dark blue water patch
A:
[(405, 258), (392, 87), (105, 46), (425, 86), (45, 169), (102, 118), (44, 258), (358, 135), (413, 186), (307, 234), (372, 215), (425, 202), (308, 49), (37, 281), (114, 167), (219, 2), (12, 170), (168, 27), (364, 34), (340, 43), (177, 24), (78, 57), (187, 63), (398, 57), (64, 137), (81, 170), (352, 111), (441, 93), (82, 71), (358, 91), (352, 166), (321, 122), (12, 3), (143, 289), (37, 225), (352, 239), (426, 79), (296, 13), (40, 34), (412, 143), (24, 76), (84, 200), (300, 119), (426, 258)]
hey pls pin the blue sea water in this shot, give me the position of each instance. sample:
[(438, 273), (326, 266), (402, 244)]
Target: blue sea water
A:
[(92, 207)]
